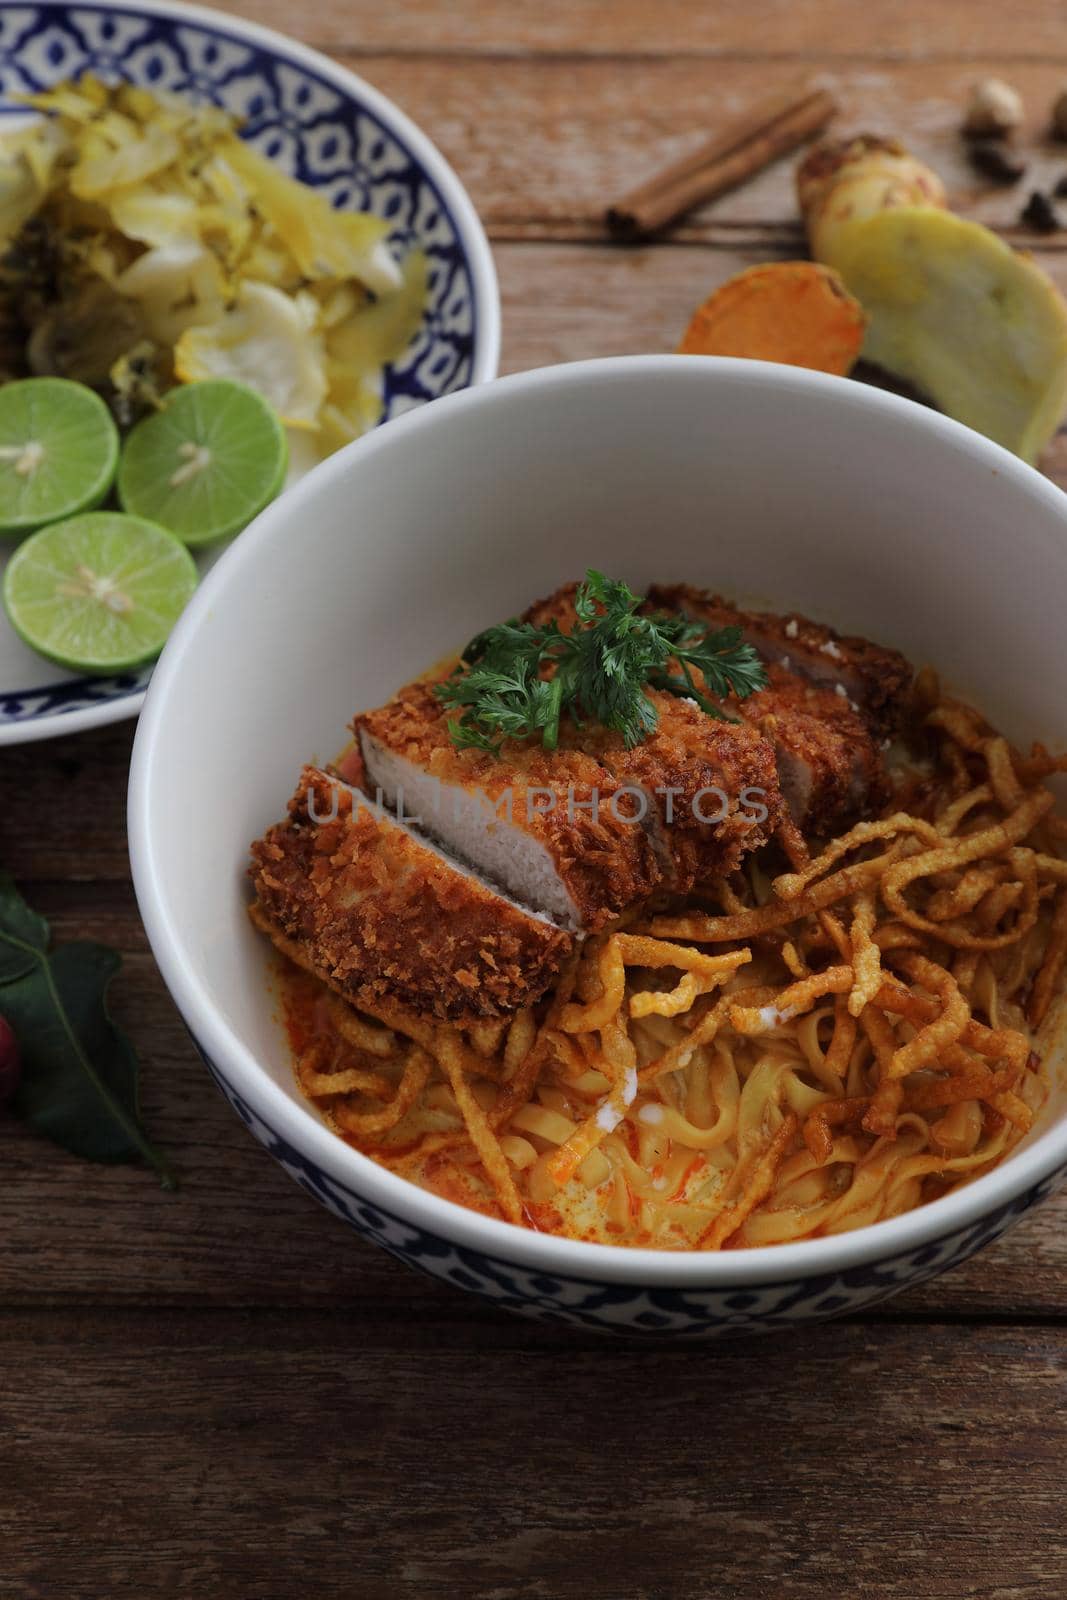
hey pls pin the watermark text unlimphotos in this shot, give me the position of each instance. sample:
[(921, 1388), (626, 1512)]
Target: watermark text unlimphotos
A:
[(630, 804)]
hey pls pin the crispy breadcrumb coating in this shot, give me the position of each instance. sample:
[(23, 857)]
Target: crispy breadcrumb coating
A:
[(382, 916), (876, 679), (711, 786), (830, 768), (827, 743)]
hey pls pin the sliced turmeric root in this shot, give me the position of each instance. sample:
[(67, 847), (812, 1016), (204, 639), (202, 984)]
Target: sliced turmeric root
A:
[(796, 312)]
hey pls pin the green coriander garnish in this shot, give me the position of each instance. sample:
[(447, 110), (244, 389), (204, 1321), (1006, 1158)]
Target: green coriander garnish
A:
[(601, 671)]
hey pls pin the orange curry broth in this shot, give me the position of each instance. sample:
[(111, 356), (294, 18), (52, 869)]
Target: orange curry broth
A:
[(307, 1021)]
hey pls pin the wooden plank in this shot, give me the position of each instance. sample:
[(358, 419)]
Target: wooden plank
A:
[(237, 1455), (968, 30), (63, 807), (546, 142), (221, 1391)]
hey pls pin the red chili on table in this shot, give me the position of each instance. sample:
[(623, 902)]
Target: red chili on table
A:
[(10, 1061)]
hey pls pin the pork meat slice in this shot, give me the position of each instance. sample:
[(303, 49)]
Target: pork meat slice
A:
[(555, 829)]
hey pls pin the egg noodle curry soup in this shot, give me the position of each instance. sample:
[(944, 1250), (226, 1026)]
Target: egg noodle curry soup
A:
[(839, 1027)]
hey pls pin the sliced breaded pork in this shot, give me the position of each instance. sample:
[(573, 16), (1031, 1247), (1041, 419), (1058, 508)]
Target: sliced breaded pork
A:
[(381, 915), (710, 787), (830, 768), (876, 680), (555, 829), (827, 744)]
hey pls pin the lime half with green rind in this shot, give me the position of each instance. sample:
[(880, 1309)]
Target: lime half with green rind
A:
[(207, 463), (98, 593), (59, 448)]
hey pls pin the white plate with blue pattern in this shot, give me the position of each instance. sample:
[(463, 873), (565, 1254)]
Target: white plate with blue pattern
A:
[(321, 124)]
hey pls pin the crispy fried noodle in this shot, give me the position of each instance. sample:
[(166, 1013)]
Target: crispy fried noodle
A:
[(783, 1054)]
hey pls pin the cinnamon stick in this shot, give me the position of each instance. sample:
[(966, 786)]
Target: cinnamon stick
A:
[(733, 156)]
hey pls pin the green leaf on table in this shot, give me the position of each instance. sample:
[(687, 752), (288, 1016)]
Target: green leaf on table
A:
[(79, 1071), (23, 934)]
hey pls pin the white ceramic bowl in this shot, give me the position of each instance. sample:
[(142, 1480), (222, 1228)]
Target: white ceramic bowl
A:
[(770, 483)]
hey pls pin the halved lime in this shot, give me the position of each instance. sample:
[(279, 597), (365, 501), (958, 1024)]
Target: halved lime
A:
[(58, 451), (100, 592), (207, 463)]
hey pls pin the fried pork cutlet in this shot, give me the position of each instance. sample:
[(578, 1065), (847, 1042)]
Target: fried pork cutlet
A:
[(827, 744), (830, 768), (581, 834), (710, 788), (381, 915), (876, 680), (555, 828)]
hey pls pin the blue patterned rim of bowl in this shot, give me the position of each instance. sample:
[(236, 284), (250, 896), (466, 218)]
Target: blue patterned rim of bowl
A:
[(320, 124), (628, 1308)]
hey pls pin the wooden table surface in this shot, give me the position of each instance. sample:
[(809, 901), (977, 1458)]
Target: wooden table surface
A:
[(223, 1392)]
